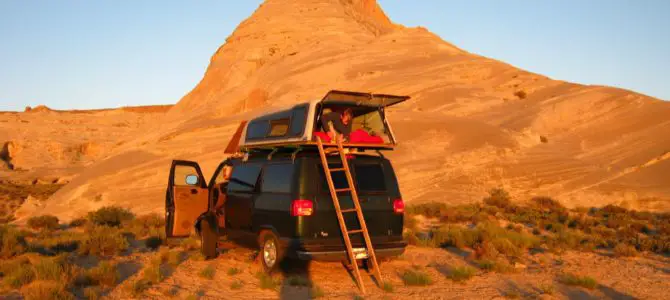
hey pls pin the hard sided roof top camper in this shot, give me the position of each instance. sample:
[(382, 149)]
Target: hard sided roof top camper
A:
[(299, 125)]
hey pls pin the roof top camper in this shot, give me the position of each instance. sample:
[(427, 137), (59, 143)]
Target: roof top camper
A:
[(299, 125)]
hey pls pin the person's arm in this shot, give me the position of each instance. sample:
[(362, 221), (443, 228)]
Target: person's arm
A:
[(331, 131)]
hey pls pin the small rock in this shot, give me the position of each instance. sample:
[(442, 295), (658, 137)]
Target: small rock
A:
[(519, 266)]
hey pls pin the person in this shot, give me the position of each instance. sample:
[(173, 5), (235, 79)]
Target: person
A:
[(221, 184), (337, 125)]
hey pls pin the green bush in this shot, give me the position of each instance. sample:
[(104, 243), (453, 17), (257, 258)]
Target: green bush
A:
[(498, 197), (460, 274), (387, 287), (208, 272), (416, 278), (236, 285), (43, 222), (233, 271), (110, 216), (576, 280), (103, 240)]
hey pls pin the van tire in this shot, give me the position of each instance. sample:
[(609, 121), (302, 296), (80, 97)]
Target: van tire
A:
[(208, 239), (270, 252)]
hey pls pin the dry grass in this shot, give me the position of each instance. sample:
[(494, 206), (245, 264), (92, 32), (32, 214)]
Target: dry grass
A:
[(208, 272), (13, 242), (416, 278), (46, 289), (622, 250), (461, 274), (104, 241)]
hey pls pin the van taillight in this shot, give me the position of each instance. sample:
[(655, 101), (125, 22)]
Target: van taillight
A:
[(301, 208), (398, 206)]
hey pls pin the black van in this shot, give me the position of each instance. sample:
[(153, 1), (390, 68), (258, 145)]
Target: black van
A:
[(283, 206), (277, 197)]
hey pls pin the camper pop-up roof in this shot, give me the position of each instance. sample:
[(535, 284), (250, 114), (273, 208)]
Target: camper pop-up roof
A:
[(298, 125)]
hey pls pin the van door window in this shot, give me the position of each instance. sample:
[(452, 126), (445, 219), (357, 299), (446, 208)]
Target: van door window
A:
[(277, 178), (244, 178), (370, 178)]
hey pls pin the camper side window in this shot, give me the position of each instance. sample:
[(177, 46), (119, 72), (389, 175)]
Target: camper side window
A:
[(278, 127)]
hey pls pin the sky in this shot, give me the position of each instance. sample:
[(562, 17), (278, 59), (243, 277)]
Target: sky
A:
[(99, 54)]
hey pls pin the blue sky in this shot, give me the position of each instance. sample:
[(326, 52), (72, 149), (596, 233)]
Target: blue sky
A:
[(93, 54)]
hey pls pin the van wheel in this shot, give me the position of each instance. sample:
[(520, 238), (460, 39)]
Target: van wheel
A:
[(270, 253), (208, 239)]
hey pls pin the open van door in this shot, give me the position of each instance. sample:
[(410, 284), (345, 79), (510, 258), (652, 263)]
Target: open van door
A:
[(186, 199)]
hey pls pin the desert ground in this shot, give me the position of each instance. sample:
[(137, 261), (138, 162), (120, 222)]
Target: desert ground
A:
[(473, 124)]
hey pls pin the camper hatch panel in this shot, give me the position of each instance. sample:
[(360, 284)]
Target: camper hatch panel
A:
[(362, 99)]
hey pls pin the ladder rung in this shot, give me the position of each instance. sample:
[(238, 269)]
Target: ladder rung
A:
[(348, 210), (355, 231), (343, 190), (337, 169)]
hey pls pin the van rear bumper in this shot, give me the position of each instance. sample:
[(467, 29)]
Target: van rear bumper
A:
[(342, 255), (326, 252)]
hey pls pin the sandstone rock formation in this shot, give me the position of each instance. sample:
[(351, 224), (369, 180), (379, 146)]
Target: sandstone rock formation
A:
[(473, 124)]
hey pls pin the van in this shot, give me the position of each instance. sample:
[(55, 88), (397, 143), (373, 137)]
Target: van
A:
[(277, 199)]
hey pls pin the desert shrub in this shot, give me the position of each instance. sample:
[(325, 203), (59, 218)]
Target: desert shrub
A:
[(623, 250), (506, 247), (266, 281), (430, 209), (153, 242), (460, 274), (46, 289), (110, 216), (462, 213), (103, 240), (56, 242), (147, 225), (547, 204), (153, 273), (13, 242), (19, 276), (236, 285), (576, 280), (174, 258), (78, 222), (498, 197), (485, 250), (544, 139), (410, 222), (47, 268), (190, 243), (416, 278), (387, 287), (521, 94), (208, 272), (490, 231), (138, 287), (43, 222), (613, 209), (547, 289), (453, 235), (297, 280), (233, 271), (105, 274), (93, 292)]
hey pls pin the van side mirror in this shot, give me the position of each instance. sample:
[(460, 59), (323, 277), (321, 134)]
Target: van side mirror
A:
[(192, 179)]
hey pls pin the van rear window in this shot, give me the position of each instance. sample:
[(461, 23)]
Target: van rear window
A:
[(277, 178), (244, 178), (370, 178)]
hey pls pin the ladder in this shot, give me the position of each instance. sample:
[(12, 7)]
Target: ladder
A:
[(357, 209)]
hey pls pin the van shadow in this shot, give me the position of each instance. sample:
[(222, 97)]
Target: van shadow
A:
[(297, 282)]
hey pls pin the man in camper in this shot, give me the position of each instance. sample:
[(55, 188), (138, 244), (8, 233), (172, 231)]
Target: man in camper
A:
[(337, 124)]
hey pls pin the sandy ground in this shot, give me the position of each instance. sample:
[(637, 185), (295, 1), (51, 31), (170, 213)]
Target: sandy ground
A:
[(646, 277)]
